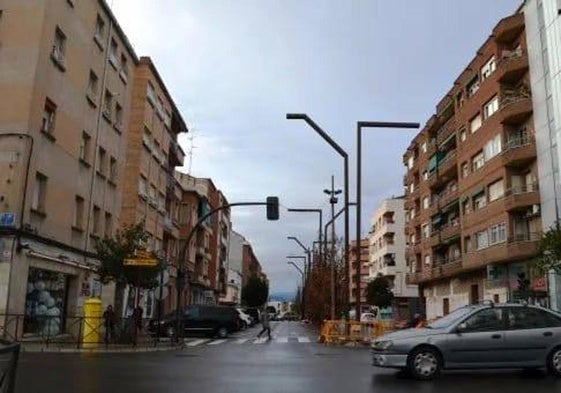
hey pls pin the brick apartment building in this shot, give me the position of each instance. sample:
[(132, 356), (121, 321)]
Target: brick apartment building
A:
[(472, 201)]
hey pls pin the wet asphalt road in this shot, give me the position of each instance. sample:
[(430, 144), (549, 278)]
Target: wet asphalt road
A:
[(288, 363)]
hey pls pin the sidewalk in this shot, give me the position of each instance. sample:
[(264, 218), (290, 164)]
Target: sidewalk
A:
[(54, 348)]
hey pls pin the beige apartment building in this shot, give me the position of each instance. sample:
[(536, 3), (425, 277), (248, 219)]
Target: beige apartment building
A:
[(472, 202), (66, 78), (151, 195)]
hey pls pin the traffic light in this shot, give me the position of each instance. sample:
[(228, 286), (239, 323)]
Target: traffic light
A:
[(272, 208)]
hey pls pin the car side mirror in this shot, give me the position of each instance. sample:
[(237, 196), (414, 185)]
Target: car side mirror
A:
[(462, 327)]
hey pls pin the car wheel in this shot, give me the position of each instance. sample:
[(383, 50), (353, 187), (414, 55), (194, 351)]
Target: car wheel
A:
[(554, 362), (222, 332), (424, 363)]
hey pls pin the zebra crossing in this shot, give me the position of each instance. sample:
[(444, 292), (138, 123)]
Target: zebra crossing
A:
[(197, 342)]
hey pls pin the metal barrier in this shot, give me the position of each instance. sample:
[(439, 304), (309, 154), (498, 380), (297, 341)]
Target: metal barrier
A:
[(9, 355), (77, 332), (342, 331)]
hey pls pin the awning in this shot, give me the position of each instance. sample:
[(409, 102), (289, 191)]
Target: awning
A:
[(450, 205), (432, 163), (476, 191), (448, 139), (436, 219)]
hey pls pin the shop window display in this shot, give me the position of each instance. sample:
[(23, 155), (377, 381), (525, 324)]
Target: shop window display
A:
[(45, 302)]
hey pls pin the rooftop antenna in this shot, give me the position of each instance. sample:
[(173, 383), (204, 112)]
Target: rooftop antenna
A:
[(190, 151)]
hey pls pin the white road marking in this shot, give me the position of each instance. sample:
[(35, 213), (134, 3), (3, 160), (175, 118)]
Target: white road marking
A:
[(303, 340), (261, 340), (217, 342), (282, 339), (196, 342), (241, 340)]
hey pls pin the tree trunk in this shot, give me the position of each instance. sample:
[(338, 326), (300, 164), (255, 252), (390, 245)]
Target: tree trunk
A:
[(119, 299)]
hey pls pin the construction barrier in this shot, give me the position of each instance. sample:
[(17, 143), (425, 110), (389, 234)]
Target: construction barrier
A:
[(342, 331)]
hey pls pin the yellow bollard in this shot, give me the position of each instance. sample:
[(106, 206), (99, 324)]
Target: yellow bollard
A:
[(91, 328)]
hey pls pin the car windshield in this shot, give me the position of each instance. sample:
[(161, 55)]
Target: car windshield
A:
[(451, 318)]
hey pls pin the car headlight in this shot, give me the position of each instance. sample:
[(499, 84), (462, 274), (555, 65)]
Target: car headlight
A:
[(382, 345)]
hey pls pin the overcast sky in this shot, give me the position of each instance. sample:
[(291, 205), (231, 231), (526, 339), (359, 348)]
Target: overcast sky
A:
[(235, 68)]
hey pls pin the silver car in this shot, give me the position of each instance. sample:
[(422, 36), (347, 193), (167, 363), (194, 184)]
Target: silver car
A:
[(479, 336)]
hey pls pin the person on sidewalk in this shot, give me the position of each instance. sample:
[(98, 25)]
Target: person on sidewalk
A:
[(109, 319), (266, 324)]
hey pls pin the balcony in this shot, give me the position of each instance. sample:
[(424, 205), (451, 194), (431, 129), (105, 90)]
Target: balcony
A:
[(509, 28), (435, 238), (448, 196), (519, 151), (448, 165), (447, 268), (450, 231), (520, 198), (515, 108), (517, 247), (512, 66), (176, 154), (446, 132)]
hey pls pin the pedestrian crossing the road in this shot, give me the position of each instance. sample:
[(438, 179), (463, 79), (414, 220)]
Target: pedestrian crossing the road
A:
[(247, 341)]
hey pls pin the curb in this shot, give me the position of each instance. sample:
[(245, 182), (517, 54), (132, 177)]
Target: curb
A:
[(100, 350)]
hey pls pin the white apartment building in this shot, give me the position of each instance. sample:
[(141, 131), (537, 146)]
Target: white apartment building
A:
[(235, 269), (387, 254), (543, 36)]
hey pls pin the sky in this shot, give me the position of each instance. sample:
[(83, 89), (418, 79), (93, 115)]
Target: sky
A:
[(235, 68)]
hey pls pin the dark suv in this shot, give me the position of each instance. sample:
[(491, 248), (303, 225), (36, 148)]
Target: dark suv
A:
[(208, 320)]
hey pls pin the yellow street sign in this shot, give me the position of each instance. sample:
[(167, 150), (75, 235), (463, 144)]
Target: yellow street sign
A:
[(140, 262)]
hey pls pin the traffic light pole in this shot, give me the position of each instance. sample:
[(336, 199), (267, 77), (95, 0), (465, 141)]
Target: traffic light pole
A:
[(272, 214)]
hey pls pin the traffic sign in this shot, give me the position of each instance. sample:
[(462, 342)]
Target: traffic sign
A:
[(140, 262), (7, 220), (164, 293)]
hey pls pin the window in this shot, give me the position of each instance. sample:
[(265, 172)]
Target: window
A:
[(108, 105), (96, 220), (425, 175), (59, 48), (491, 107), (92, 86), (49, 115), (427, 259), (118, 116), (481, 240), (102, 162), (487, 320), (108, 231), (472, 86), (142, 187), (467, 244), (113, 52), (426, 202), (85, 146), (424, 147), (39, 193), (478, 161), (410, 162), (496, 190), (492, 147), (522, 318), (426, 231), (497, 233), (463, 135), (488, 68), (147, 139), (465, 169), (479, 201), (475, 123), (78, 213), (113, 169), (412, 187), (151, 93), (124, 71), (99, 29)]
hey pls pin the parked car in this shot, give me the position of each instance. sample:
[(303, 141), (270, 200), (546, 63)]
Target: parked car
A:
[(245, 318), (289, 316), (479, 336), (254, 313), (210, 320)]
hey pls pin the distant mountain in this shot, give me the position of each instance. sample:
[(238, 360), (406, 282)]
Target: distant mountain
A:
[(281, 297)]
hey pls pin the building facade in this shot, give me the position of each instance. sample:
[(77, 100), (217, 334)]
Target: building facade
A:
[(359, 259), (472, 200), (68, 73), (235, 269), (543, 35), (250, 265), (151, 194), (387, 255)]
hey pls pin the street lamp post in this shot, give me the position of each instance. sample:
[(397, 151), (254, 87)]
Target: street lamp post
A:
[(345, 156), (332, 201), (306, 273), (319, 212), (360, 126)]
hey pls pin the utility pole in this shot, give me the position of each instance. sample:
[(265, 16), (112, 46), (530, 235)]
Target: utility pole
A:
[(332, 200)]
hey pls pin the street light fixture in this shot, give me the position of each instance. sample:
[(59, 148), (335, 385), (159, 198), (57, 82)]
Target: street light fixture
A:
[(303, 278), (319, 212), (359, 127), (345, 156), (332, 201)]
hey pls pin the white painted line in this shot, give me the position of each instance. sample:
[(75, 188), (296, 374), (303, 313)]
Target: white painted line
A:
[(196, 342), (261, 340), (217, 342), (303, 340), (282, 339), (241, 340)]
